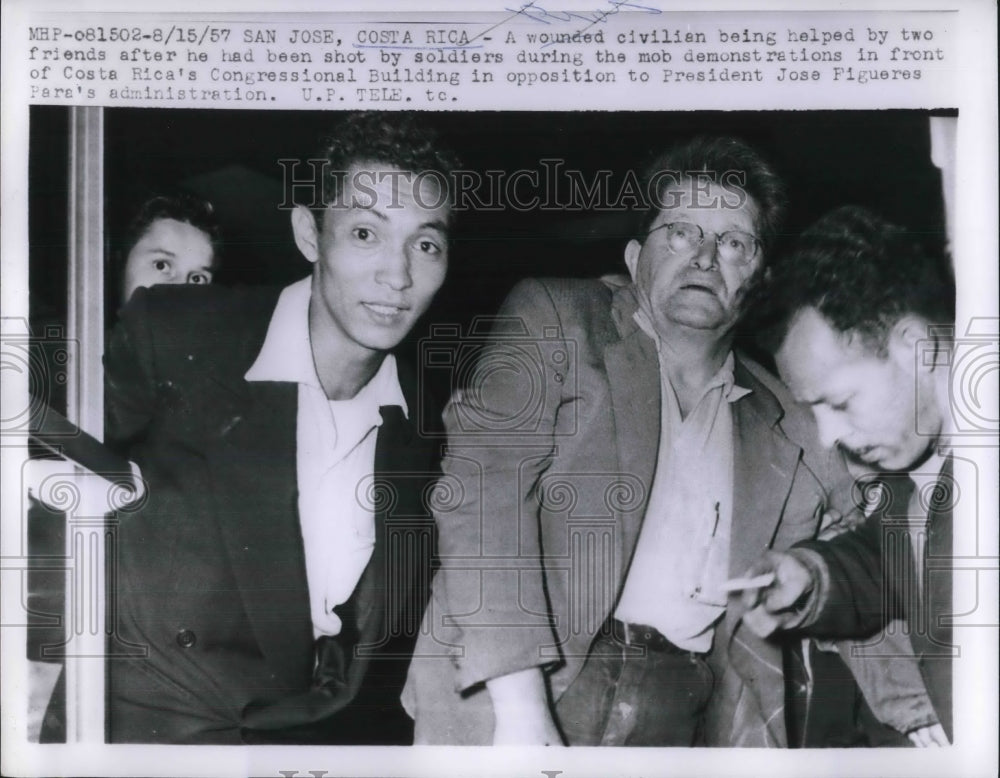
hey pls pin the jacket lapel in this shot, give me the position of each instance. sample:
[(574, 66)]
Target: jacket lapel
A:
[(632, 367), (254, 458), (764, 465)]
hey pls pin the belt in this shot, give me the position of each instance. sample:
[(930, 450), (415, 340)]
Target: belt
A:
[(647, 636)]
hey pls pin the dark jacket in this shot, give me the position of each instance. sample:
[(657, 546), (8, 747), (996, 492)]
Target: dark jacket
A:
[(872, 578), (211, 602)]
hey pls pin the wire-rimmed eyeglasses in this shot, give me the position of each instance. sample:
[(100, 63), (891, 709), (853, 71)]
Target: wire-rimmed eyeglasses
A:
[(735, 246)]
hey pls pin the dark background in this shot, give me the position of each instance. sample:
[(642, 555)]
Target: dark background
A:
[(828, 158)]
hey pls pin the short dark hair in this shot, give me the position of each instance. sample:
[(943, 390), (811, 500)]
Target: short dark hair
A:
[(180, 206), (730, 162), (398, 139), (862, 274)]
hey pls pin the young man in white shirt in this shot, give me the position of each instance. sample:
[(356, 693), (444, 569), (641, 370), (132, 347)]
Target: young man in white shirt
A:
[(273, 575)]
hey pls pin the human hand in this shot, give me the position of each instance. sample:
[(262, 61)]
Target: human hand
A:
[(521, 710), (776, 606), (931, 736), (525, 728)]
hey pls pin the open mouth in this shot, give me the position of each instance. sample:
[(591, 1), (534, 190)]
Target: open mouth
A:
[(699, 288)]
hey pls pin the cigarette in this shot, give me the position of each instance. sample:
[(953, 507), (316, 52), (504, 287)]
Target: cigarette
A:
[(739, 584)]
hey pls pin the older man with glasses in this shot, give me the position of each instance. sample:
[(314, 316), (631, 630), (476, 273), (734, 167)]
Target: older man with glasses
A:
[(618, 463)]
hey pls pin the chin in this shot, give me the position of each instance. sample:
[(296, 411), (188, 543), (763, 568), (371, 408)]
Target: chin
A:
[(694, 318), (895, 464), (383, 341)]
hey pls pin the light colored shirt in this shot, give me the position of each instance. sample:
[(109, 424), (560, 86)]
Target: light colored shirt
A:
[(335, 457), (682, 555)]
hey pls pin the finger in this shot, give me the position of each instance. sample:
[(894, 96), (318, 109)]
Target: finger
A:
[(762, 565), (750, 598), (937, 735), (788, 588), (777, 597), (914, 739), (760, 622)]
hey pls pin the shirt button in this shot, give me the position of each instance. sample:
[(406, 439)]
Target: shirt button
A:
[(186, 638)]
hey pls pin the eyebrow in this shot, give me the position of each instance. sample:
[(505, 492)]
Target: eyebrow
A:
[(437, 224), (369, 209), (689, 214)]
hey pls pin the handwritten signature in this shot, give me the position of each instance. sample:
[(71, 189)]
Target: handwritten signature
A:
[(532, 10)]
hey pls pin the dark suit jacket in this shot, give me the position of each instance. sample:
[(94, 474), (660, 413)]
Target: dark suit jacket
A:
[(212, 605), (873, 578), (551, 455)]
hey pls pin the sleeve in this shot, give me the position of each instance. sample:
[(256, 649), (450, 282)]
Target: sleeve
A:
[(129, 385), (850, 598), (501, 438)]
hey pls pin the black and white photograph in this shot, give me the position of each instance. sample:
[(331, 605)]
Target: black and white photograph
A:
[(421, 395)]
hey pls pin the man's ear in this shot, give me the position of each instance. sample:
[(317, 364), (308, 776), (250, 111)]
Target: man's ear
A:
[(632, 256), (306, 232), (912, 346)]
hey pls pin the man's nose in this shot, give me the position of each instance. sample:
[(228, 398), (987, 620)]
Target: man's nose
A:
[(395, 269), (707, 255)]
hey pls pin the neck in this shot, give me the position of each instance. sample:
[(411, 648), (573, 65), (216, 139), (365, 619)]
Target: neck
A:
[(690, 363), (691, 359), (343, 380), (343, 370)]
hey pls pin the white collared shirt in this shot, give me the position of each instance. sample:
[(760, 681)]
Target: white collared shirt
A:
[(335, 456), (682, 555)]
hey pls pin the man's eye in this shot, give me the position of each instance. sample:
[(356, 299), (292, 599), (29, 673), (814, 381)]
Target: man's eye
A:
[(199, 278), (429, 247), (682, 230), (161, 265), (363, 234), (839, 407), (736, 242)]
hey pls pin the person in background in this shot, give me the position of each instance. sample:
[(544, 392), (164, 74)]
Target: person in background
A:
[(172, 239), (864, 343)]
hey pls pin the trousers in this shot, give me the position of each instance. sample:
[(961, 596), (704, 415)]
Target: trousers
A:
[(635, 695)]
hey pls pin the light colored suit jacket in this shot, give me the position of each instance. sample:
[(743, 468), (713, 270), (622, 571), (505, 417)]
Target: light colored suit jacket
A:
[(551, 453)]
